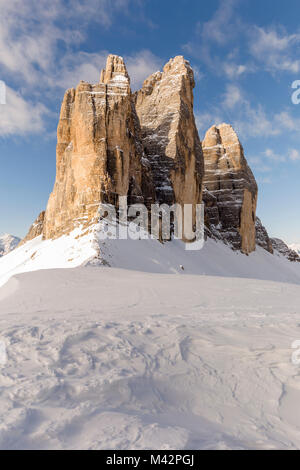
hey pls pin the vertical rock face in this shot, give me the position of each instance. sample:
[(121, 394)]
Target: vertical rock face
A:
[(98, 151), (164, 107), (230, 189), (262, 237)]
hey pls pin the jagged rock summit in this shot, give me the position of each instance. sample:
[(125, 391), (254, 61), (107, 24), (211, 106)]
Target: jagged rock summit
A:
[(230, 189), (99, 154), (104, 146)]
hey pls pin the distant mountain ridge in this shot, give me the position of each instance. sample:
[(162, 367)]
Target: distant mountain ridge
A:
[(8, 243), (295, 247)]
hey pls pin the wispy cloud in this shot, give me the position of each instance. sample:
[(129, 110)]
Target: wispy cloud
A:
[(294, 155), (249, 118), (19, 116), (275, 49), (219, 28), (37, 53)]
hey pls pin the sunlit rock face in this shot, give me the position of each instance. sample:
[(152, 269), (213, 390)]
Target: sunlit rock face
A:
[(230, 189), (99, 154)]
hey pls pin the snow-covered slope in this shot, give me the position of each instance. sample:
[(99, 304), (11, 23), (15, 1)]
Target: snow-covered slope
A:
[(215, 259), (101, 358), (8, 243), (164, 349)]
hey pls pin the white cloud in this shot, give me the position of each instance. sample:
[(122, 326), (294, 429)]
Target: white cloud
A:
[(274, 157), (220, 28), (20, 117), (257, 163), (141, 65), (286, 121), (276, 50), (234, 70), (271, 155), (80, 66), (294, 155), (232, 97), (207, 119), (30, 31), (36, 40)]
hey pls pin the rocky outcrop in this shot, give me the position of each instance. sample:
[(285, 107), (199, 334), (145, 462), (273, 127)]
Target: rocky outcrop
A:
[(281, 248), (111, 143), (164, 107), (230, 189), (36, 228), (99, 155), (262, 237)]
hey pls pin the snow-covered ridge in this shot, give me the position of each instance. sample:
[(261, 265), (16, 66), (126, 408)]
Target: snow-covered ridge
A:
[(86, 247), (8, 243)]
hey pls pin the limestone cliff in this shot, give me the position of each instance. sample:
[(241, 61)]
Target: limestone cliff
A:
[(99, 155), (164, 107), (111, 143), (230, 189)]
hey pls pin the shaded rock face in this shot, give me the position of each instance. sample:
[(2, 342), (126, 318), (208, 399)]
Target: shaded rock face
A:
[(99, 155), (281, 248), (230, 190), (164, 107), (262, 237), (36, 228)]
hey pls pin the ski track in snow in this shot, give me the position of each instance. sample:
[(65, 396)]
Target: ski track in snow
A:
[(105, 358)]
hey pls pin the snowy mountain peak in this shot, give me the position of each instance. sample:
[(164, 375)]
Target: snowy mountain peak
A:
[(8, 243), (295, 247)]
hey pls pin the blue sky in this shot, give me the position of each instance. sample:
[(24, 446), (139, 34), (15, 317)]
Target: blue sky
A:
[(245, 53)]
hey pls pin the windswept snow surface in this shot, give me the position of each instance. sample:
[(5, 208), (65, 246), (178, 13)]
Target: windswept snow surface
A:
[(144, 354), (101, 358)]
